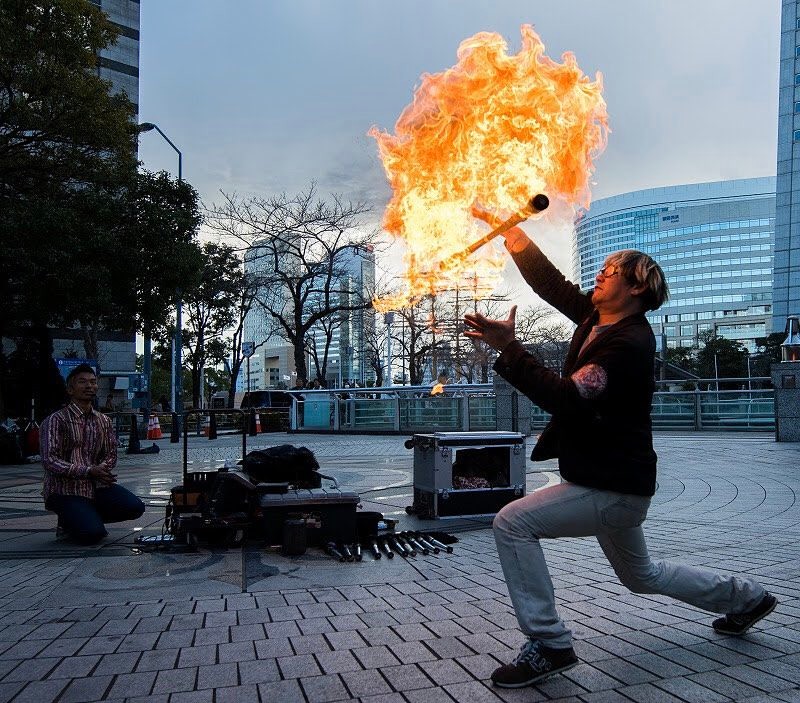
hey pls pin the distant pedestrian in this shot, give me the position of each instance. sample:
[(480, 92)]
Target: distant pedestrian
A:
[(79, 451), (601, 433), (166, 406)]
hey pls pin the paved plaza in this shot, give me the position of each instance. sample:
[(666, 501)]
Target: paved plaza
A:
[(116, 622)]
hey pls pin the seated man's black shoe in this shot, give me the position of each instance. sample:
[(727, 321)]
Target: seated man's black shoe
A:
[(534, 663), (739, 623)]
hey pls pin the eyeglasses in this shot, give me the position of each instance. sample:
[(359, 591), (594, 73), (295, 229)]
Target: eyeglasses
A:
[(608, 271)]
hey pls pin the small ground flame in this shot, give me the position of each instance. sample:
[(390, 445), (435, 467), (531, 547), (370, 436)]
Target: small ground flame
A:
[(492, 130)]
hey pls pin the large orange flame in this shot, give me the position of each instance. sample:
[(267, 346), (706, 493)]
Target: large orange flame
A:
[(492, 130)]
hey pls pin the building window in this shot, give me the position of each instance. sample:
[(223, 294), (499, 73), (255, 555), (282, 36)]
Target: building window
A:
[(797, 135), (797, 107), (797, 52), (687, 330), (797, 78)]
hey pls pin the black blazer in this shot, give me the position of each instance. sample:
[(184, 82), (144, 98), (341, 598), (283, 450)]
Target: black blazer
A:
[(600, 430)]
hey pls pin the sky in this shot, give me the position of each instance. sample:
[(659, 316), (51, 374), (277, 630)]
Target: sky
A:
[(267, 96)]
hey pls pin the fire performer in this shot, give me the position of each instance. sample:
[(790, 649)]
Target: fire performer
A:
[(602, 435)]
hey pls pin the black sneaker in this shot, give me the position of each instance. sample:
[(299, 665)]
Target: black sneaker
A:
[(738, 624), (534, 663)]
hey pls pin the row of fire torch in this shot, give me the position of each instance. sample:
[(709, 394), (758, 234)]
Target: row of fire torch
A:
[(406, 544)]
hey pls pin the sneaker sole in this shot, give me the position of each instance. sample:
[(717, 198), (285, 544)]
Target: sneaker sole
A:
[(758, 619), (536, 679)]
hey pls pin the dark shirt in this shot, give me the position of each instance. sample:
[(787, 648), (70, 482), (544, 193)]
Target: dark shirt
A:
[(600, 430)]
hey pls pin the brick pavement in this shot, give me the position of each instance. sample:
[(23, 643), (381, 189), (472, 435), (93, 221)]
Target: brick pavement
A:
[(108, 624)]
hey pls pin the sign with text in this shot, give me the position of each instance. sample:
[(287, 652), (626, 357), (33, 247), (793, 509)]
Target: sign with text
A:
[(66, 365), (248, 349)]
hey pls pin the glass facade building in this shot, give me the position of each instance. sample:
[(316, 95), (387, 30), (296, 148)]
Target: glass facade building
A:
[(119, 63), (715, 243), (787, 207)]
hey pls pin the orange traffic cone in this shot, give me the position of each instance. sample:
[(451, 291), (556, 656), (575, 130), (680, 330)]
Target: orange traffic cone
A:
[(258, 423), (154, 428), (206, 425)]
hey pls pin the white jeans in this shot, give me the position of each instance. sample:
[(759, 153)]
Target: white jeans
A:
[(569, 510)]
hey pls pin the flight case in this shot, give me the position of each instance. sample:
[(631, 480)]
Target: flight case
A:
[(467, 473)]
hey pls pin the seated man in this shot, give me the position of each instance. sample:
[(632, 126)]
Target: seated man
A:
[(79, 449)]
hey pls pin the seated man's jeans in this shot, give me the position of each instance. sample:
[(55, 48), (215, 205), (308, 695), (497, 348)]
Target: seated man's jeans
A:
[(615, 519), (84, 519)]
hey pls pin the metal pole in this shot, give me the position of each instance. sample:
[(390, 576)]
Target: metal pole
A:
[(172, 379), (749, 382), (147, 369), (248, 374), (177, 342), (403, 348), (388, 354)]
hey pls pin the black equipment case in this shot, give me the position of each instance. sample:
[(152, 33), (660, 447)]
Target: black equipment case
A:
[(329, 514)]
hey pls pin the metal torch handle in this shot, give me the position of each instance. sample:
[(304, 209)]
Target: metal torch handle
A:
[(535, 205)]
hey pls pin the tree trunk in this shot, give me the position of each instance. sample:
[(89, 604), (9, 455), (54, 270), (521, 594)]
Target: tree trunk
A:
[(300, 361), (236, 366)]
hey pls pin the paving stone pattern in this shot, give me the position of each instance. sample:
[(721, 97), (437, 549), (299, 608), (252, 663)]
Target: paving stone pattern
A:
[(72, 627)]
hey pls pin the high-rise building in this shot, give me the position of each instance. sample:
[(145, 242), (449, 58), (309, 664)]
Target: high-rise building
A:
[(120, 63), (786, 294), (349, 337), (714, 242), (273, 361)]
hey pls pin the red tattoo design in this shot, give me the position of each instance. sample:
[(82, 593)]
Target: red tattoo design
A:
[(590, 380)]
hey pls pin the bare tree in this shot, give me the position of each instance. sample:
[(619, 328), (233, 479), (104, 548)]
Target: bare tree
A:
[(374, 346), (419, 336), (303, 246), (244, 304), (547, 332)]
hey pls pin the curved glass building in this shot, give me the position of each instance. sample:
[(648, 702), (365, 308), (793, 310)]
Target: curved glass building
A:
[(715, 242)]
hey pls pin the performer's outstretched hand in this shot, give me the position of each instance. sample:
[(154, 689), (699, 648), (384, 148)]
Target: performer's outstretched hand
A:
[(498, 334)]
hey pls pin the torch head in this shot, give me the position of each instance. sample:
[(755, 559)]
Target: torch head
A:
[(539, 203)]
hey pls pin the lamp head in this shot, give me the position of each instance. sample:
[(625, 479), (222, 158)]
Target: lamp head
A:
[(146, 127)]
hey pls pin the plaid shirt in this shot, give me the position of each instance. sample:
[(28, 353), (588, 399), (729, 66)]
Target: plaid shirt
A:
[(71, 442)]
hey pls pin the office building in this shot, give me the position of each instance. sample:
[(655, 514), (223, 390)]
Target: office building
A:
[(715, 242), (786, 294), (119, 63)]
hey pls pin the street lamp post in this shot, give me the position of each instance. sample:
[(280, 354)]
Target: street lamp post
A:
[(177, 342)]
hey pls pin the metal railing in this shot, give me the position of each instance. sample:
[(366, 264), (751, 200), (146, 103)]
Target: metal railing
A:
[(409, 409), (739, 404)]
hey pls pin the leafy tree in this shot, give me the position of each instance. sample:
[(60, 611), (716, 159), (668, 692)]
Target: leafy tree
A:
[(719, 357), (60, 126), (66, 144), (211, 309), (683, 357)]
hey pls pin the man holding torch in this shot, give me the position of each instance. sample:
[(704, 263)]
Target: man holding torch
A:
[(601, 433)]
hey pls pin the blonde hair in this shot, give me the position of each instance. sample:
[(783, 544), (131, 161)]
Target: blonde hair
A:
[(640, 269)]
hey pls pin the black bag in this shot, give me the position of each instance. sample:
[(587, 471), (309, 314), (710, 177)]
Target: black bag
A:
[(283, 464)]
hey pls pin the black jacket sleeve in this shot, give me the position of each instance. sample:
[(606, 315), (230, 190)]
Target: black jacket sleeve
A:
[(594, 385), (551, 285)]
